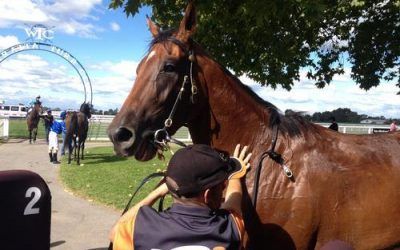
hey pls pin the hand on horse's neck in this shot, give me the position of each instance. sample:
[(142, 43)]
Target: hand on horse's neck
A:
[(233, 111)]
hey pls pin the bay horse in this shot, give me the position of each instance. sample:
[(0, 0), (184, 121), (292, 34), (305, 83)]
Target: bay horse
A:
[(343, 187), (77, 126), (32, 121), (71, 125)]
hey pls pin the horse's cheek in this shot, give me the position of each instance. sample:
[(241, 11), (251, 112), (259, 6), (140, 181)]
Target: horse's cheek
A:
[(164, 86)]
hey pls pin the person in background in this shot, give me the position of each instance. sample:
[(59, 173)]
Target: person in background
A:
[(334, 125), (393, 126), (196, 178), (63, 115), (48, 120), (33, 103), (55, 129)]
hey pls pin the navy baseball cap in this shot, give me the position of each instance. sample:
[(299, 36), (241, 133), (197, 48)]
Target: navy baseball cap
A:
[(63, 114), (198, 167)]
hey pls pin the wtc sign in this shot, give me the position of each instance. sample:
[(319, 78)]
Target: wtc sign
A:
[(39, 32)]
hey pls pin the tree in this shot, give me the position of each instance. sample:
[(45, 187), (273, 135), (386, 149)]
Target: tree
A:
[(271, 41), (111, 112), (340, 114), (346, 115)]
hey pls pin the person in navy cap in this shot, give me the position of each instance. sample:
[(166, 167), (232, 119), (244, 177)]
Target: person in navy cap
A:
[(199, 217), (63, 115)]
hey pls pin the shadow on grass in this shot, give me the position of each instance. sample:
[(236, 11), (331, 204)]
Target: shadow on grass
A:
[(101, 158)]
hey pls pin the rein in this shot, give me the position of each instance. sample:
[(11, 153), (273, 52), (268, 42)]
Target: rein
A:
[(275, 156), (144, 181)]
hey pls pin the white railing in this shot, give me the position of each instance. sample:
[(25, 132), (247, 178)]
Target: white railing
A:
[(4, 127), (98, 125), (361, 128)]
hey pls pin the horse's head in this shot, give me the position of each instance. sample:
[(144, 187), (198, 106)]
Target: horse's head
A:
[(38, 108), (162, 73), (86, 108)]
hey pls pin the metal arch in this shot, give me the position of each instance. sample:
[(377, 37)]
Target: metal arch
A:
[(54, 50)]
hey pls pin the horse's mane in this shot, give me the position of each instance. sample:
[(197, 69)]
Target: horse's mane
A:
[(292, 123)]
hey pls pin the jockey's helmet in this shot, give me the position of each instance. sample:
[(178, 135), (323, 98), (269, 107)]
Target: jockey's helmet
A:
[(63, 114)]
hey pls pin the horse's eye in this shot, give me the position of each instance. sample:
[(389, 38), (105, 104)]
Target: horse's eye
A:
[(169, 68)]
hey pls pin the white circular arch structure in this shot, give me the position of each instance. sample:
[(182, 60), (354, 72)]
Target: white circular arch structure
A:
[(85, 79)]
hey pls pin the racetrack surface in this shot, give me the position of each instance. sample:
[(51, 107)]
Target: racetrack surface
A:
[(75, 223)]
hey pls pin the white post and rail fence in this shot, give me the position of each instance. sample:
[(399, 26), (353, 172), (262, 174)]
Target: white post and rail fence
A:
[(4, 128), (98, 125)]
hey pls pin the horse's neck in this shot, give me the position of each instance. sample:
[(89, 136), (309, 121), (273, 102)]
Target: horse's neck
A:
[(82, 114), (35, 113), (234, 114)]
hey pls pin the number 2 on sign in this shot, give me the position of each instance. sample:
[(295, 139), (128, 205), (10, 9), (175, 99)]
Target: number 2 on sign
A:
[(36, 196)]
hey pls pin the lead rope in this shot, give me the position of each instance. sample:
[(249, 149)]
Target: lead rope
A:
[(271, 153)]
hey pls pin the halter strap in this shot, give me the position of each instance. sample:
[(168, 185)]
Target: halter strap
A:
[(180, 44)]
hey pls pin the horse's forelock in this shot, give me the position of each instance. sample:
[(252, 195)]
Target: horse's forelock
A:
[(162, 37), (86, 108)]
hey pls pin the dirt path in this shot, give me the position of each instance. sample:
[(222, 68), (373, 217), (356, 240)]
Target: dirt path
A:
[(75, 222)]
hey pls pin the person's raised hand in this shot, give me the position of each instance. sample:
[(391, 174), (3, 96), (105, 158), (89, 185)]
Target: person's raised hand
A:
[(244, 158)]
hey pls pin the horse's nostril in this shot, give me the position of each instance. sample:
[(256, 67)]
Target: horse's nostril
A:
[(123, 134)]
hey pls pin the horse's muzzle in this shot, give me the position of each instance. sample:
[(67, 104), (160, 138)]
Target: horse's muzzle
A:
[(123, 139)]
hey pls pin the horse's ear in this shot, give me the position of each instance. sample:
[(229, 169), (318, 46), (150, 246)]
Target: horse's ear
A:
[(188, 23), (154, 29)]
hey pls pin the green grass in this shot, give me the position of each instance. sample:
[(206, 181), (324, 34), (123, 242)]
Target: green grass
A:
[(110, 179), (19, 129)]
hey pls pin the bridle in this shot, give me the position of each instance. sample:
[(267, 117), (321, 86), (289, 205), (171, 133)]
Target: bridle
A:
[(161, 136)]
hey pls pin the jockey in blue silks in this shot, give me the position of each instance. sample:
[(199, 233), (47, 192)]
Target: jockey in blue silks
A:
[(33, 103), (56, 128)]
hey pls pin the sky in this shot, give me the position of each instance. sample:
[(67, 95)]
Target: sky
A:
[(109, 46)]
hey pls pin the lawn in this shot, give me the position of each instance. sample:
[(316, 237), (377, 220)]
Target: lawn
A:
[(109, 179), (19, 129), (97, 130)]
